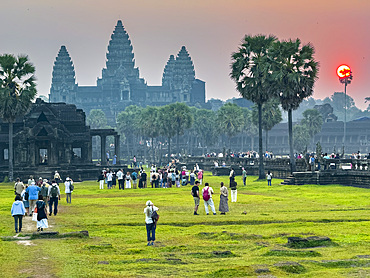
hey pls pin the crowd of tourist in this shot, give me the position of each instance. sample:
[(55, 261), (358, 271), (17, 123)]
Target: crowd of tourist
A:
[(158, 177), (37, 199)]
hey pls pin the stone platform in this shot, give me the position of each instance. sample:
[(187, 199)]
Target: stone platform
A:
[(338, 176), (75, 172)]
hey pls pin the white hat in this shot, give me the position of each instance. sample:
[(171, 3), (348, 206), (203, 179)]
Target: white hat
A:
[(149, 203)]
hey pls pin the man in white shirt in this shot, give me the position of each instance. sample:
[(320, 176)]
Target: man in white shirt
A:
[(207, 192), (120, 179)]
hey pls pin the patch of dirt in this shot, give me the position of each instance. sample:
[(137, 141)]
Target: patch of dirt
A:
[(25, 242)]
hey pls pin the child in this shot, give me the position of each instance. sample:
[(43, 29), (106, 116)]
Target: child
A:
[(269, 177), (18, 212)]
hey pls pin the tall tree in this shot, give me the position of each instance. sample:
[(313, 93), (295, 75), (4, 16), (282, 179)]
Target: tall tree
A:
[(249, 127), (97, 119), (128, 125), (301, 138), (149, 125), (271, 116), (230, 120), (182, 119), (251, 70), (205, 126), (312, 119), (295, 71), (166, 126), (17, 90)]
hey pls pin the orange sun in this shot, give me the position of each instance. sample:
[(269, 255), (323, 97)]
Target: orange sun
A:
[(343, 71)]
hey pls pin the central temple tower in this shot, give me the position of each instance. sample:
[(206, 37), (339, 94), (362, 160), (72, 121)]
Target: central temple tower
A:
[(120, 77)]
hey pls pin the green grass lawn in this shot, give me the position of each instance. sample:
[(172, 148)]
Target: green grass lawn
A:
[(193, 246)]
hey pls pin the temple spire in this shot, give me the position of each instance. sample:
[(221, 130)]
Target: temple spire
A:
[(63, 78)]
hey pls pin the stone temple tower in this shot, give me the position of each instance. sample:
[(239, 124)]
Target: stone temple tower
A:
[(63, 85), (121, 78), (179, 76)]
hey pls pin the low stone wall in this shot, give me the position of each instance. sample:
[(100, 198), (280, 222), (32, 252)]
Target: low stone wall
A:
[(76, 173), (343, 177)]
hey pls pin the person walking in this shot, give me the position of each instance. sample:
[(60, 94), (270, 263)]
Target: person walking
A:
[(25, 196), (68, 184), (42, 219), (18, 210), (54, 197), (224, 198), (18, 187), (234, 191), (192, 178), (149, 222), (195, 194), (269, 178), (44, 191), (244, 175), (33, 193), (207, 192), (57, 177), (101, 179)]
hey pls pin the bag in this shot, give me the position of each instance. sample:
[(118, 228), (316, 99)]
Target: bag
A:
[(26, 196), (133, 177), (155, 216), (206, 195), (71, 187), (54, 191), (34, 216)]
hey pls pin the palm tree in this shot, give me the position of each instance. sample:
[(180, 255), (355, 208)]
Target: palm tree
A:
[(295, 71), (230, 120), (128, 125), (181, 118), (17, 90), (149, 125), (251, 70), (312, 119)]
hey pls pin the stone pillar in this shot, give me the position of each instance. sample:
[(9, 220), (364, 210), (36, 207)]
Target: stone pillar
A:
[(89, 151), (117, 147), (103, 140)]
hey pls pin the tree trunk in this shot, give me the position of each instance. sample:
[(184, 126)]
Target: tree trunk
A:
[(169, 149), (267, 139), (10, 151), (252, 143), (178, 143), (290, 130), (242, 144), (261, 167), (153, 154)]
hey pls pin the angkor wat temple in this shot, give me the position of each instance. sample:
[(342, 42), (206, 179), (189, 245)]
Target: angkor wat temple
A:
[(121, 85)]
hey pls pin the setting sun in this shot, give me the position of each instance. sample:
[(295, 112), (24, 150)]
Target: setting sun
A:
[(343, 71)]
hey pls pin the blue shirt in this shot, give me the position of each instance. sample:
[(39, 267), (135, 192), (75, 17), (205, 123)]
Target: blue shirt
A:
[(18, 208), (33, 192), (134, 174)]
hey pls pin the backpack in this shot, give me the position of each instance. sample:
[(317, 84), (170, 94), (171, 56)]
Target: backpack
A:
[(71, 187), (54, 191), (155, 216), (206, 195), (26, 196), (133, 177)]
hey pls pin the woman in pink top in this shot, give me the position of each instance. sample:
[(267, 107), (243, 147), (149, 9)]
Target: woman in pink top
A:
[(200, 176)]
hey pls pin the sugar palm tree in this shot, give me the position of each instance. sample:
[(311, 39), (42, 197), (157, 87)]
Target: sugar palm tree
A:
[(17, 90), (251, 70), (295, 71)]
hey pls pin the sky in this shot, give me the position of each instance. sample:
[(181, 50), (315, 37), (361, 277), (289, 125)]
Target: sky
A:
[(210, 29)]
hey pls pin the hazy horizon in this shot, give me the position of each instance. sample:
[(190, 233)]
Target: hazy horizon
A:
[(210, 29)]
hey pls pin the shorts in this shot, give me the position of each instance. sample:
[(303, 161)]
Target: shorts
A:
[(196, 201), (26, 204)]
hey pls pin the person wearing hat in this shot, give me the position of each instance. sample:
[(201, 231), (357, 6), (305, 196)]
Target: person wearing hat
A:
[(68, 184), (149, 223)]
